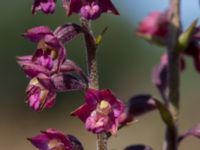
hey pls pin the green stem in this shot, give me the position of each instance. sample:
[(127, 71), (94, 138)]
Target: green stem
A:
[(91, 48), (174, 77)]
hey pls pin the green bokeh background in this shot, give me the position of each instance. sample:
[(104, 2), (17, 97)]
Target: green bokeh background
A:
[(125, 64)]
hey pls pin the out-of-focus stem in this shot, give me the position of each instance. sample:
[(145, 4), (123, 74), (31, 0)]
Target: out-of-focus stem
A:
[(171, 136), (174, 31), (91, 48)]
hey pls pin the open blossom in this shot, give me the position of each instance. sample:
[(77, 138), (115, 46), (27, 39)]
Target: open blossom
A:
[(41, 62), (40, 93), (47, 41), (46, 6), (52, 139), (46, 82), (91, 9), (101, 112)]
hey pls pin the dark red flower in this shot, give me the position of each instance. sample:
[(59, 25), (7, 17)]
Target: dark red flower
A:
[(46, 6), (101, 112), (89, 9)]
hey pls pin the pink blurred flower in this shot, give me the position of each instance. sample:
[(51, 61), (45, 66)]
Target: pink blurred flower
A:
[(154, 26)]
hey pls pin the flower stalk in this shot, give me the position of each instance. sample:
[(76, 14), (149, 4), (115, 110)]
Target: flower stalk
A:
[(91, 52), (173, 77)]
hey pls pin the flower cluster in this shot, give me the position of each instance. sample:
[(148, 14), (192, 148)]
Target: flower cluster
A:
[(51, 71), (160, 28), (48, 68), (154, 28), (89, 10)]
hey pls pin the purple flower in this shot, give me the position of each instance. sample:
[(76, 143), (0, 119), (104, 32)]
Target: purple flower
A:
[(46, 6), (52, 43), (40, 93), (89, 9), (52, 139), (41, 62), (45, 82), (47, 41), (50, 53), (101, 112), (48, 68)]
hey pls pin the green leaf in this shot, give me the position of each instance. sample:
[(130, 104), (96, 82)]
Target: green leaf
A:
[(99, 38), (153, 39), (165, 113), (185, 37)]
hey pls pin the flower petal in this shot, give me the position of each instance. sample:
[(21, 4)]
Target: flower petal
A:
[(67, 82), (47, 6), (36, 34), (32, 69), (72, 6), (67, 32), (83, 112), (107, 6)]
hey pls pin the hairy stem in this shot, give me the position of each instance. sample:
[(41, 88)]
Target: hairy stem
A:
[(91, 48), (174, 77)]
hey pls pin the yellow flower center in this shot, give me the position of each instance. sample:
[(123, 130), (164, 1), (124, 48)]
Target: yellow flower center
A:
[(104, 108), (42, 45), (56, 144), (43, 93), (34, 81)]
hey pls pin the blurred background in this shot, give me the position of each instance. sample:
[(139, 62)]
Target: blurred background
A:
[(125, 65)]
